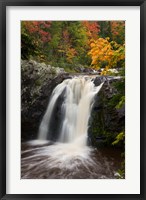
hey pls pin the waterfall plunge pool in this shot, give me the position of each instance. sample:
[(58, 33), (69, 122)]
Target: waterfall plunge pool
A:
[(47, 160)]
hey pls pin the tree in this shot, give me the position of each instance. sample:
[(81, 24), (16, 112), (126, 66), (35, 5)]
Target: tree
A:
[(106, 54), (92, 29), (115, 30), (118, 31), (34, 36)]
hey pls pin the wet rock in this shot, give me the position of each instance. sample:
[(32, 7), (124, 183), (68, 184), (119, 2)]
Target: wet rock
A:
[(106, 121), (98, 81), (88, 70)]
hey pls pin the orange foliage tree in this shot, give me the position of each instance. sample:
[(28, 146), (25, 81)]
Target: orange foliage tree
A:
[(106, 54)]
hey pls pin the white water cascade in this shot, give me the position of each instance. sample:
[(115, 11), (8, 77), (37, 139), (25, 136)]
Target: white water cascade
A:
[(76, 107)]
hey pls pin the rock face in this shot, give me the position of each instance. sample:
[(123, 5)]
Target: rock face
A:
[(106, 120), (38, 82)]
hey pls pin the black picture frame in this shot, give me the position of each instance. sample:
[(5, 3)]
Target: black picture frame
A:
[(3, 128)]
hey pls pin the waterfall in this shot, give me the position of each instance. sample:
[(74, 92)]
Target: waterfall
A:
[(78, 98), (69, 157)]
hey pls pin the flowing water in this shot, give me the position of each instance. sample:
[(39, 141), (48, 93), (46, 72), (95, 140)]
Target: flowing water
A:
[(75, 110), (68, 155)]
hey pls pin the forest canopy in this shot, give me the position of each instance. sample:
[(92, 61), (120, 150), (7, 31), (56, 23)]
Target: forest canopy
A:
[(96, 44)]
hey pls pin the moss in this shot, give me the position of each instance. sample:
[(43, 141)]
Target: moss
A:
[(38, 82)]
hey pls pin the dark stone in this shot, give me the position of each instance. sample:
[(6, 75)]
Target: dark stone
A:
[(97, 81), (88, 70), (105, 120)]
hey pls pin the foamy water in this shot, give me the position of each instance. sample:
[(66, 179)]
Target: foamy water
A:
[(65, 161)]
